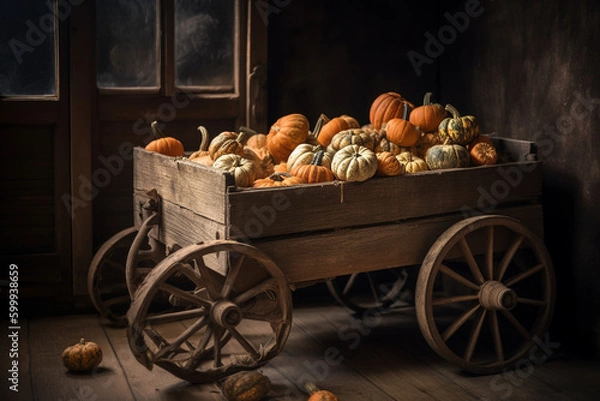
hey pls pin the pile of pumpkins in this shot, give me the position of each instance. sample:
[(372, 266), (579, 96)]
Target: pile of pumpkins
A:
[(400, 138)]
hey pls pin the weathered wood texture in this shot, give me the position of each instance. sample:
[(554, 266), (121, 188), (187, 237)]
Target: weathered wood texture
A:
[(381, 356)]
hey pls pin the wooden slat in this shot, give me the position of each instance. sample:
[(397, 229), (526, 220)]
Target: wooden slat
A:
[(349, 204), (191, 185), (345, 251)]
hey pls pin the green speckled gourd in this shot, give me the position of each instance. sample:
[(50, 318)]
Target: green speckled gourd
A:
[(246, 386), (447, 156), (458, 129)]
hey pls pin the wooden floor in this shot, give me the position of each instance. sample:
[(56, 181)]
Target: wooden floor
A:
[(381, 358)]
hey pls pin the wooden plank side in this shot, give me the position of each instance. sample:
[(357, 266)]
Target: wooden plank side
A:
[(270, 212), (179, 181), (346, 251), (50, 379)]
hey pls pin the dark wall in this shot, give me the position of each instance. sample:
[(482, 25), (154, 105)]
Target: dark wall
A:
[(526, 69)]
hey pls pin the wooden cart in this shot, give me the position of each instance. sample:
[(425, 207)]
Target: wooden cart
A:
[(205, 259)]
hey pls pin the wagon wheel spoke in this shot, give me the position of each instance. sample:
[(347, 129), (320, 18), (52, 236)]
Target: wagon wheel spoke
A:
[(496, 338), (254, 291), (459, 322), (466, 251), (508, 257), (350, 284), (245, 344), (522, 276), (117, 301), (183, 295), (169, 317), (458, 278), (232, 276), (517, 325), (217, 347), (533, 302), (454, 299), (489, 253), (205, 272), (200, 352), (187, 333), (475, 332)]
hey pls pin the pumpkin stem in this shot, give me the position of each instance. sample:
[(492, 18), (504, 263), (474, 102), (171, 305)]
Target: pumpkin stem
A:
[(248, 131), (310, 387), (82, 341), (155, 130), (280, 176), (321, 121), (453, 110), (242, 137), (405, 112), (318, 158), (204, 142), (427, 99)]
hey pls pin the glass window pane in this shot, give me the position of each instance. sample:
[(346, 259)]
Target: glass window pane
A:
[(127, 43), (204, 43), (27, 48)]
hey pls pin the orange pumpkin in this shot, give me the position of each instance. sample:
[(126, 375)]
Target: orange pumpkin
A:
[(385, 107), (480, 138), (285, 134), (255, 140), (317, 394), (315, 171), (165, 145), (429, 115), (388, 165), (278, 180), (401, 131), (82, 357), (330, 128), (352, 122), (483, 153)]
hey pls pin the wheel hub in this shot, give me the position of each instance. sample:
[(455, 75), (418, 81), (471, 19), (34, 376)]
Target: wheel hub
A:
[(226, 314), (493, 295)]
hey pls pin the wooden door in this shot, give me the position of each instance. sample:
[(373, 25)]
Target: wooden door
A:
[(35, 234), (181, 63)]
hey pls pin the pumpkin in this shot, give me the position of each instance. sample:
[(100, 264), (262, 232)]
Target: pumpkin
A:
[(280, 168), (82, 357), (447, 155), (426, 141), (317, 394), (201, 155), (304, 153), (385, 107), (353, 136), (330, 128), (246, 386), (384, 145), (429, 115), (483, 153), (245, 171), (354, 163), (458, 129), (166, 145), (255, 140), (278, 180), (263, 161), (352, 122), (480, 138), (315, 171), (388, 165), (402, 132), (227, 142), (285, 134), (411, 163)]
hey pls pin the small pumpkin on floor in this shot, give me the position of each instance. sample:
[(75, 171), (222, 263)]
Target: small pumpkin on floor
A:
[(246, 386), (317, 394), (82, 357)]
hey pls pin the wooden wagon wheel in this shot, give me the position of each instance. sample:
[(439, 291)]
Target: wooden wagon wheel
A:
[(106, 277), (369, 290), (231, 311), (498, 293)]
